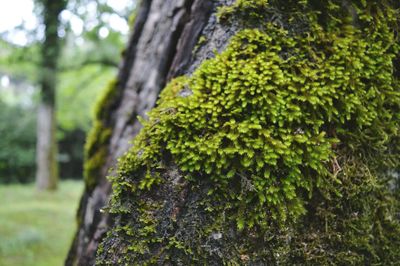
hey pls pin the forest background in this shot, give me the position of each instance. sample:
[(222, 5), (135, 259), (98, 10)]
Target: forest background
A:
[(92, 34)]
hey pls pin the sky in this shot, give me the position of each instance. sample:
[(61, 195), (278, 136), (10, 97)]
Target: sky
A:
[(17, 12), (14, 13)]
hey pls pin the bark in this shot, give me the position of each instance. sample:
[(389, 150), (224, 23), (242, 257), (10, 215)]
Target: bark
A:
[(46, 149), (46, 176), (164, 34)]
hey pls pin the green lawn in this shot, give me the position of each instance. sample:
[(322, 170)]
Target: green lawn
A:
[(36, 228)]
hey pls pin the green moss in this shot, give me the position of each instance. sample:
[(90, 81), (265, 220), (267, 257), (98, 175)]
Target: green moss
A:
[(106, 101), (202, 40), (96, 147), (96, 150), (294, 130), (253, 9), (265, 119)]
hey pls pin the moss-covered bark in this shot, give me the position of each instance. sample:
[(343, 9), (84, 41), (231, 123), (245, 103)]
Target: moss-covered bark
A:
[(279, 150), (151, 56), (98, 140)]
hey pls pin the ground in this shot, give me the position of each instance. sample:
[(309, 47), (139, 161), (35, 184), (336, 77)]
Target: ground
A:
[(36, 228)]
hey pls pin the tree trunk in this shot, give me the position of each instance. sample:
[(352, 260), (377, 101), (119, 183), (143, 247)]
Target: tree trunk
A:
[(46, 176), (46, 148), (243, 161), (163, 36)]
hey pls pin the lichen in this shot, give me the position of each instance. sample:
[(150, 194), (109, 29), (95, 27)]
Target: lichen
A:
[(291, 134)]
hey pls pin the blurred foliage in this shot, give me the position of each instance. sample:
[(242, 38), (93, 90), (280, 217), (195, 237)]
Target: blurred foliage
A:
[(76, 95), (89, 60), (71, 156), (17, 143), (19, 61)]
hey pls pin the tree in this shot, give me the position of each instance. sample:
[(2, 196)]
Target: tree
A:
[(273, 141), (77, 61), (46, 150), (88, 58)]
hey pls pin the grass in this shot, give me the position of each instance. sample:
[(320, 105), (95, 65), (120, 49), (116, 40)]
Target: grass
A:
[(36, 228)]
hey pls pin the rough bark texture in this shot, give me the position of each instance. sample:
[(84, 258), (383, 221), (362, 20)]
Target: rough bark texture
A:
[(189, 217), (163, 37)]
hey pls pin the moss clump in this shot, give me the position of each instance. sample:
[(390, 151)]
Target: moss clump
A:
[(202, 40), (95, 153), (253, 9), (267, 119), (106, 101), (293, 134), (96, 147)]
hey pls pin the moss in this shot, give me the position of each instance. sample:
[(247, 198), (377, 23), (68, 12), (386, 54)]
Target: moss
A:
[(96, 147), (106, 101), (202, 40), (95, 153), (253, 9), (290, 133)]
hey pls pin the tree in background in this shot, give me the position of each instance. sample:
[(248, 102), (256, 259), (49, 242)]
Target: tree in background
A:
[(273, 141), (46, 149), (92, 34)]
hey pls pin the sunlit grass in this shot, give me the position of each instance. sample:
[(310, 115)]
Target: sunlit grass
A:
[(36, 228)]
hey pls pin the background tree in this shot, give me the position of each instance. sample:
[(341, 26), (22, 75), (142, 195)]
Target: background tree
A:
[(46, 150), (273, 147), (91, 41), (88, 60)]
